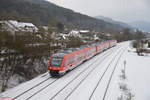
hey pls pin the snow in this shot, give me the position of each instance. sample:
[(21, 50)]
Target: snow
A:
[(74, 33), (137, 73), (84, 31), (20, 24), (89, 85), (46, 94), (79, 84), (138, 68), (14, 80), (14, 25), (24, 86)]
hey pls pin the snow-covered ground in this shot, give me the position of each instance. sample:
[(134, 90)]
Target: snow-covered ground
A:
[(138, 71), (96, 79)]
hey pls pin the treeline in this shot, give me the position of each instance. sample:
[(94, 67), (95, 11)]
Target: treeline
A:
[(16, 50), (21, 49), (129, 34), (42, 12)]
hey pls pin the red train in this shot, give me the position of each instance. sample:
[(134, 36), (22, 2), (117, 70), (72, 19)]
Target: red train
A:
[(65, 60)]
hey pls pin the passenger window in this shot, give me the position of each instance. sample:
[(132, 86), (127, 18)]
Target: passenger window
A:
[(69, 60)]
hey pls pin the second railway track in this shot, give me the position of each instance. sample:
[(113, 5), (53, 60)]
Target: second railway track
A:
[(51, 81), (87, 67), (78, 83)]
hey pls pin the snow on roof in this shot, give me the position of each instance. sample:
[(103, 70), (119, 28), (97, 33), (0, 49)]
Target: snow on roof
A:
[(108, 35), (75, 32), (84, 31), (21, 24), (13, 22), (1, 21)]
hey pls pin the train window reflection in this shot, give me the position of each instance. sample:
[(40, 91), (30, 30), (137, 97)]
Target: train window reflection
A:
[(56, 61)]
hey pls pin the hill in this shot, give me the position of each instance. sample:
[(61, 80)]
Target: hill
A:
[(107, 19), (41, 12), (142, 25)]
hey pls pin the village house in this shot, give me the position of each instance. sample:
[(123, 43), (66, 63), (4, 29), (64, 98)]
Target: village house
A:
[(74, 33), (84, 31), (15, 26)]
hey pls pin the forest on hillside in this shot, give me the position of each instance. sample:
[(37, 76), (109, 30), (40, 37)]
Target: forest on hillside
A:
[(41, 12)]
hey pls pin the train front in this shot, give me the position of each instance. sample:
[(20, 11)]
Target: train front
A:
[(55, 65)]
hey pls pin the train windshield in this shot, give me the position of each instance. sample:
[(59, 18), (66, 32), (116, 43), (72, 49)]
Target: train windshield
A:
[(56, 61)]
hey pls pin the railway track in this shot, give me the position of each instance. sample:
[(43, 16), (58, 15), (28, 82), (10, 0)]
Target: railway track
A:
[(86, 77), (76, 78), (82, 80), (104, 55), (31, 88), (112, 75), (100, 79), (74, 88), (73, 78)]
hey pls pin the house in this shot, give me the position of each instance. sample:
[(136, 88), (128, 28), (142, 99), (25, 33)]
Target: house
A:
[(15, 26), (84, 31), (74, 33)]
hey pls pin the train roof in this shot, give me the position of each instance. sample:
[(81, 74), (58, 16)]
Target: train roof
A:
[(84, 46), (74, 49), (68, 50), (58, 55), (62, 53)]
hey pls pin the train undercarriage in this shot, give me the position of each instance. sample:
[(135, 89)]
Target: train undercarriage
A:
[(54, 73)]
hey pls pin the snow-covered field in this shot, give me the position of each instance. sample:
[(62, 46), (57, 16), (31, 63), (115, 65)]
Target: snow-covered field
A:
[(138, 71), (96, 79)]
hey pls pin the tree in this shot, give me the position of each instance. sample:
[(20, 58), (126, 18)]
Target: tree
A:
[(148, 44), (74, 42), (60, 26), (127, 35), (17, 52), (119, 37), (9, 56), (139, 35)]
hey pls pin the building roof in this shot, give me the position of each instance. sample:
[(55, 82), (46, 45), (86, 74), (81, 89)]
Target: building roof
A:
[(84, 31), (21, 24)]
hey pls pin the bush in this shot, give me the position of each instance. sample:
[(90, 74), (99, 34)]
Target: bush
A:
[(148, 44), (134, 44)]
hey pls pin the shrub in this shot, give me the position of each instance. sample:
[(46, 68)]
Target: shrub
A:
[(134, 44)]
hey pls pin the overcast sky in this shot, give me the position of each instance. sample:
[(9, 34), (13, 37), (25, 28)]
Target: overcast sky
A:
[(123, 10)]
